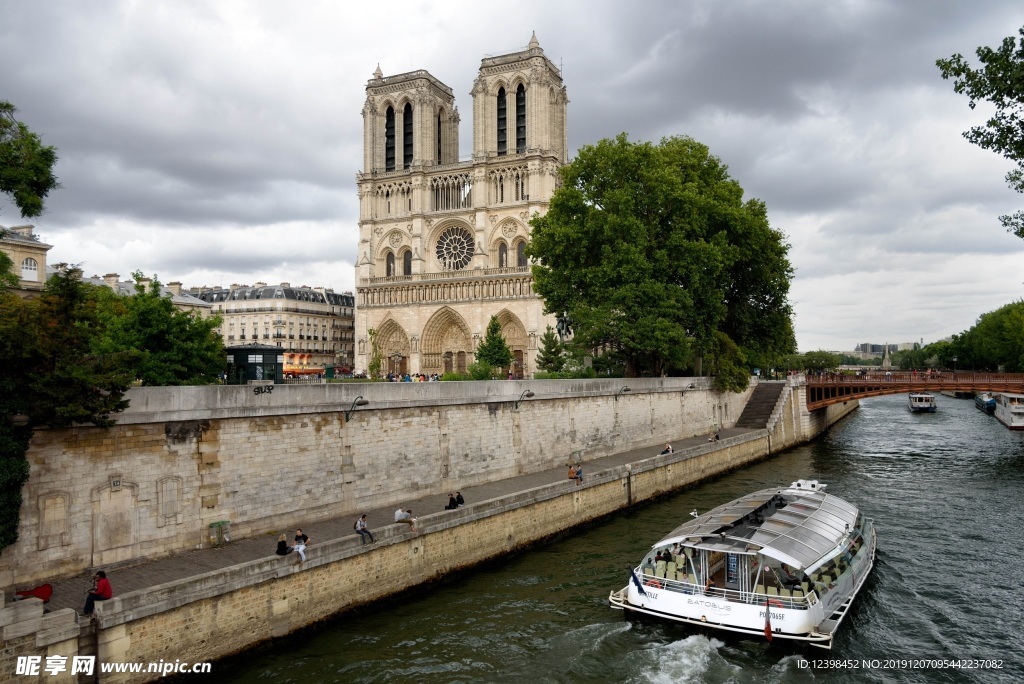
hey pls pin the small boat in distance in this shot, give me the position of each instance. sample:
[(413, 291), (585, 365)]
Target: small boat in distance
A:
[(985, 402), (780, 563), (922, 402), (1010, 410)]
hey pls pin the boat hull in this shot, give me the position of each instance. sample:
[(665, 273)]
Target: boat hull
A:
[(815, 624), (1010, 410)]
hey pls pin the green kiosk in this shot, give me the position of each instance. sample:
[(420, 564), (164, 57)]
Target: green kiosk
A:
[(254, 362)]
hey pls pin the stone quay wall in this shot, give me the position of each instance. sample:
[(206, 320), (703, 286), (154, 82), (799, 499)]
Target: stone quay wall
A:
[(274, 457), (224, 612)]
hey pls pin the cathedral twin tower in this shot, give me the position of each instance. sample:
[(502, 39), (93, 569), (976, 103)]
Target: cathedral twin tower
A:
[(442, 242)]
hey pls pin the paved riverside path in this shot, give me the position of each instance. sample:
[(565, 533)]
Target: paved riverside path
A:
[(70, 592)]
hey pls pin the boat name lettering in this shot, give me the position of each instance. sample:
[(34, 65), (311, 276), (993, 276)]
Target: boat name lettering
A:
[(708, 604)]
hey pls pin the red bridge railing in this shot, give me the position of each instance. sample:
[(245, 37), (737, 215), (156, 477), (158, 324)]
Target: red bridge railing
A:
[(833, 388)]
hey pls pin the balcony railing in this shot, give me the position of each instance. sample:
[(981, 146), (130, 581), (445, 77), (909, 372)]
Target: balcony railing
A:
[(468, 274)]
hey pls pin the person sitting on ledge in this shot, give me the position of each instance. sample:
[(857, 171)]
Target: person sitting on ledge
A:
[(282, 546), (101, 591), (667, 450)]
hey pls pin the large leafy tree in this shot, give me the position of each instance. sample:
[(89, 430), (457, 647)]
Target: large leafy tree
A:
[(652, 253), (999, 81), (26, 165), (51, 376), (173, 347)]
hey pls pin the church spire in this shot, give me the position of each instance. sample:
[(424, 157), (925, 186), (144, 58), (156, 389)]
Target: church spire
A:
[(378, 73), (533, 41)]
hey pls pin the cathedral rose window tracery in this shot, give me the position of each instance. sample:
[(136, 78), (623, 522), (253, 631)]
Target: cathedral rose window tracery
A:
[(455, 248)]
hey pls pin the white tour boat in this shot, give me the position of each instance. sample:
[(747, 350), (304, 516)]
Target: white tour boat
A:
[(1010, 410), (922, 402), (781, 563)]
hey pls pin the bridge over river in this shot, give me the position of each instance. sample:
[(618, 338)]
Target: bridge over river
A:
[(833, 388)]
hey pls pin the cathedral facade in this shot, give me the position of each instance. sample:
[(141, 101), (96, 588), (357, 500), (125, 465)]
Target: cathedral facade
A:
[(442, 241)]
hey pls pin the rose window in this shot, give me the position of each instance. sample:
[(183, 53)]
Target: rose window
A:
[(455, 248)]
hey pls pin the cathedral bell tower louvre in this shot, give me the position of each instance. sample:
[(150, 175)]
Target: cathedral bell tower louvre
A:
[(441, 241)]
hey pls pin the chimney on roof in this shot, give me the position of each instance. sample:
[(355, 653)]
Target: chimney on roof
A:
[(259, 283), (174, 287), (23, 231), (286, 284), (111, 280)]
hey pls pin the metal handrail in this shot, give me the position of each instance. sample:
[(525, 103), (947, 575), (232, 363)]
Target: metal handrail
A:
[(752, 597)]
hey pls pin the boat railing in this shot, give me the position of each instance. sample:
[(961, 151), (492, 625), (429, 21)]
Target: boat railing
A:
[(734, 595)]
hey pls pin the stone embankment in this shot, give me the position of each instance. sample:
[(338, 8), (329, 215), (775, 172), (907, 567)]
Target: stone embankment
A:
[(202, 616)]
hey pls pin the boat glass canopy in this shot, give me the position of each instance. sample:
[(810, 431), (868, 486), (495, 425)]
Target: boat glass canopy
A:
[(797, 526)]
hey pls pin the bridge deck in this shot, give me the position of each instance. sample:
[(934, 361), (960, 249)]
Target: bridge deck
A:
[(827, 389)]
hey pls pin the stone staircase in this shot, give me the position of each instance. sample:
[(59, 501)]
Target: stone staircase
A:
[(762, 402)]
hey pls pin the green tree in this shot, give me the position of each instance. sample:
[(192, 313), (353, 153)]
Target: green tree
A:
[(995, 341), (173, 347), (728, 365), (51, 377), (821, 361), (551, 355), (999, 81), (26, 165), (493, 351), (651, 251)]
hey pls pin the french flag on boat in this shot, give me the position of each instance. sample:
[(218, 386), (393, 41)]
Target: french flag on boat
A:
[(767, 621)]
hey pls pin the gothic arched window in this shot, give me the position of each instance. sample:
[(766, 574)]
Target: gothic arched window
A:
[(390, 264), (502, 123), (439, 137), (407, 263), (407, 136), (521, 254), (389, 139), (502, 255), (520, 119)]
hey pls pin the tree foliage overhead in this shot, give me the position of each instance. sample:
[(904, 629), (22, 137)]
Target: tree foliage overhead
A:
[(651, 251), (26, 165), (1000, 81), (173, 347)]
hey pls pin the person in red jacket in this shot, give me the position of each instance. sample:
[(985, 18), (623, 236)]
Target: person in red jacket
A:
[(101, 591)]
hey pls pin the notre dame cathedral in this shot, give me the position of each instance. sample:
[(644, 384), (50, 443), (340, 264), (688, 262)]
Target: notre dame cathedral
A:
[(442, 241)]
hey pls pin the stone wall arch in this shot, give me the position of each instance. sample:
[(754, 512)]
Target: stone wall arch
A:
[(514, 332), (446, 343)]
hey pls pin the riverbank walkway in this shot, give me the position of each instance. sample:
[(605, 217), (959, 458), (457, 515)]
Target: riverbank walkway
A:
[(70, 592)]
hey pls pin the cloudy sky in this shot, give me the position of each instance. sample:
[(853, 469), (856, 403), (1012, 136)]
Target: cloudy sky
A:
[(218, 142)]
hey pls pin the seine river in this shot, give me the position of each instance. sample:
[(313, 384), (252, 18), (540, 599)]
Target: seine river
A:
[(946, 491)]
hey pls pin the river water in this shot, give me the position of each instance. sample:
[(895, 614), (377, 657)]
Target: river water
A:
[(946, 491)]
